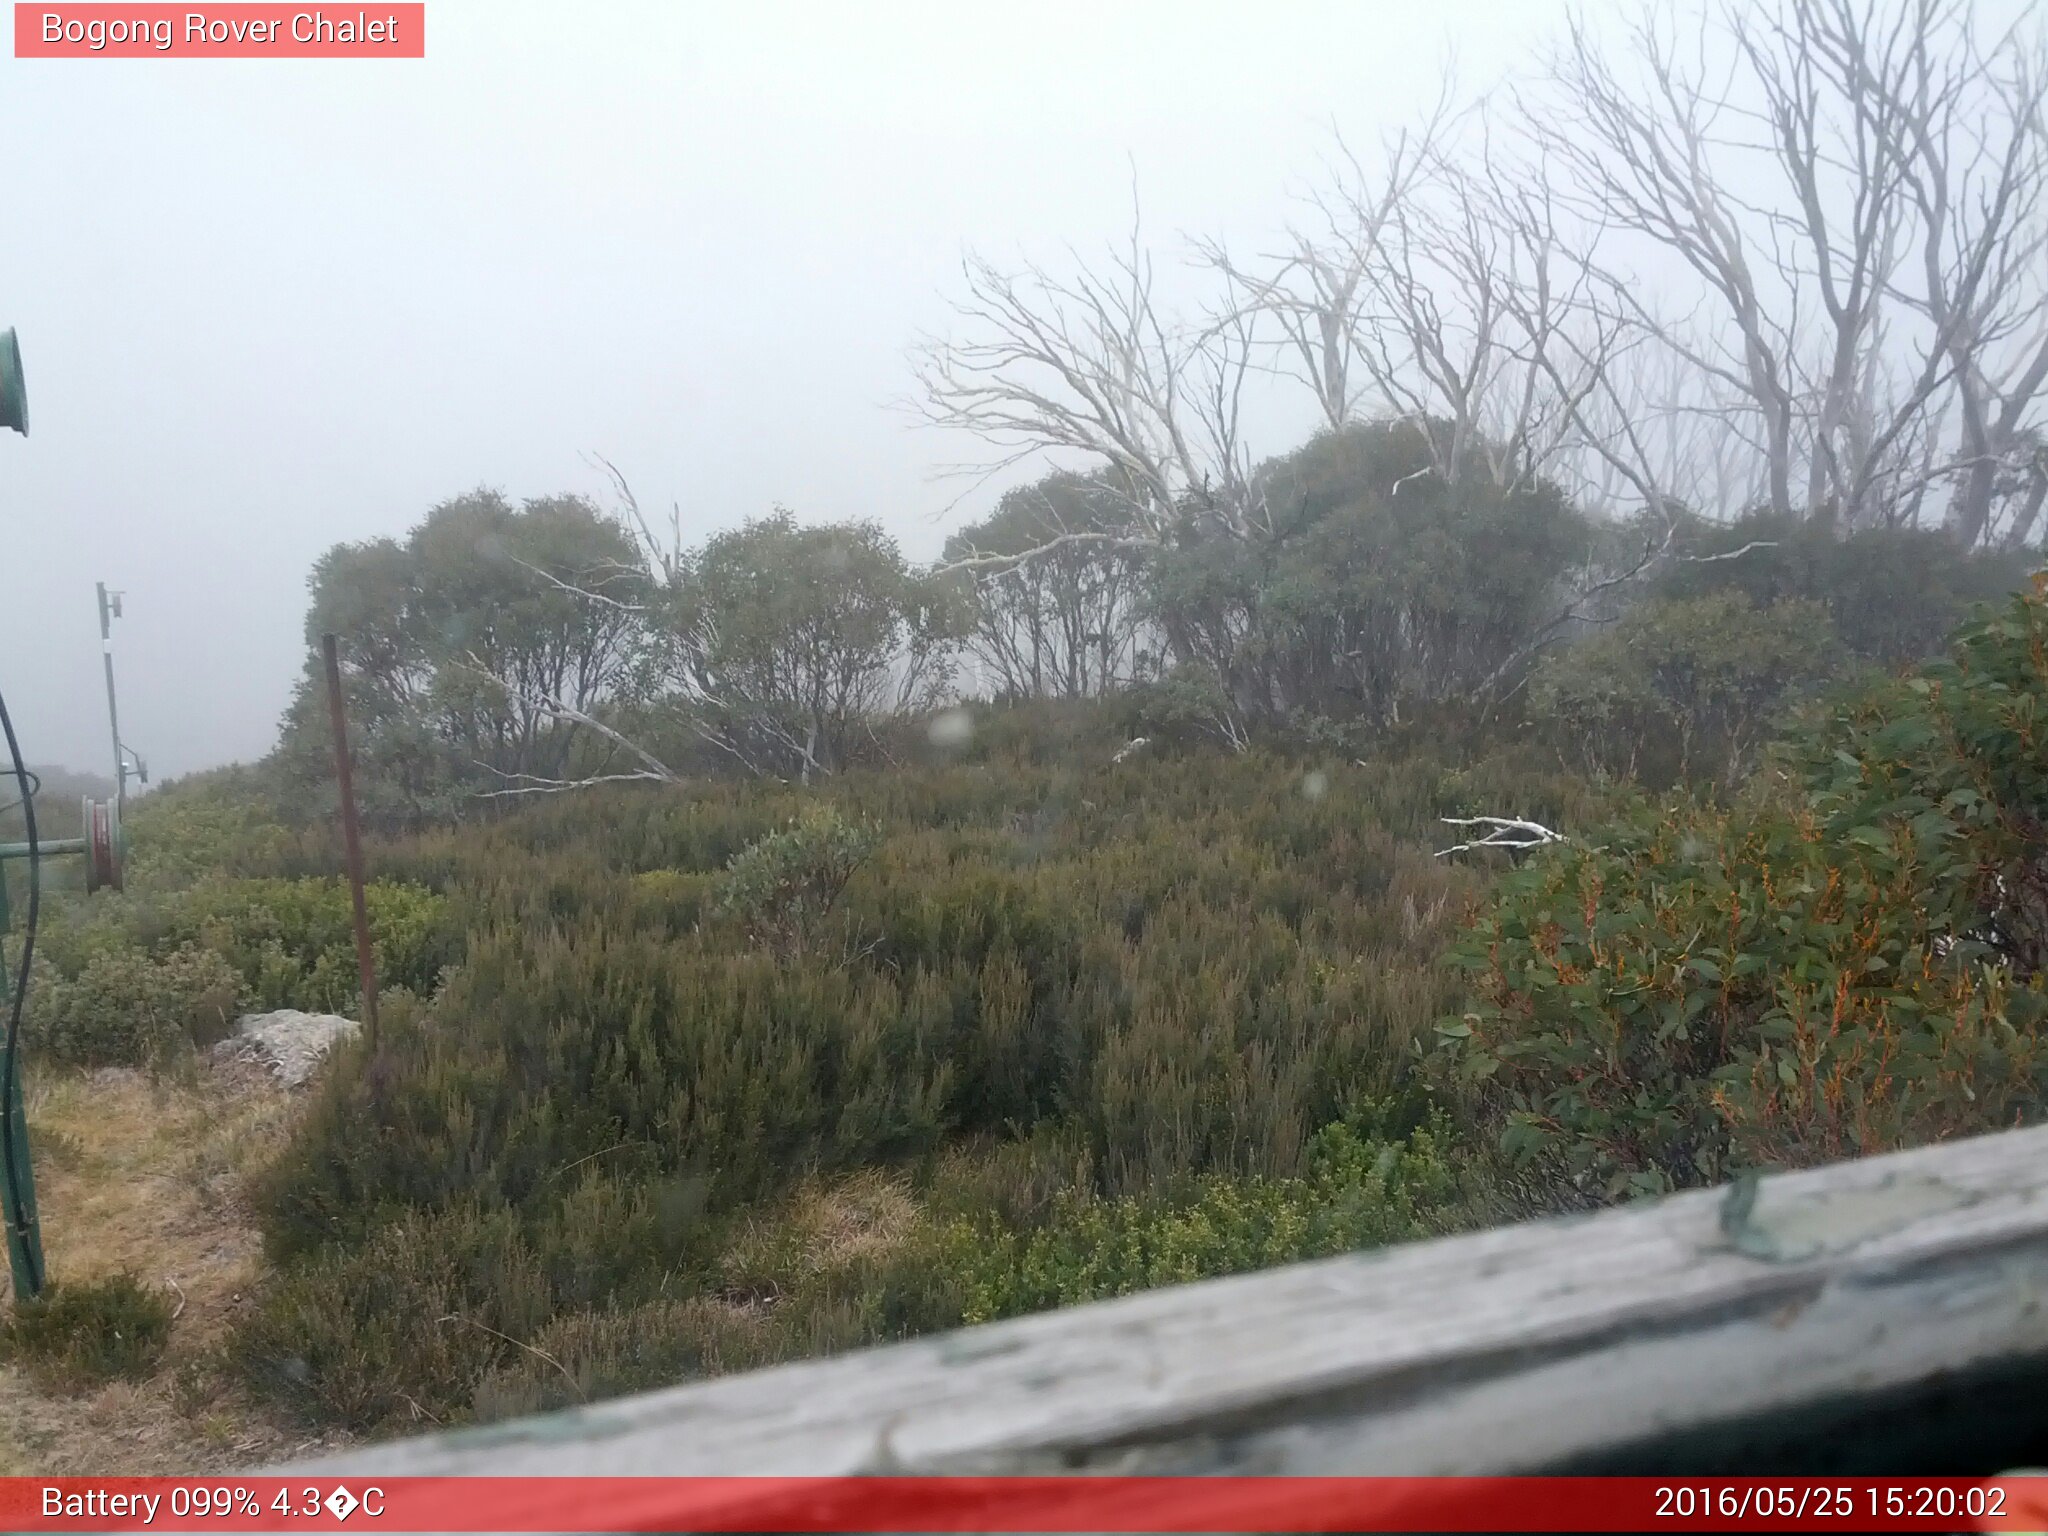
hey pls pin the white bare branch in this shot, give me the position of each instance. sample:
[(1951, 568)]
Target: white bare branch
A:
[(588, 594), (1852, 191), (1091, 364), (534, 784), (1512, 832), (977, 561), (558, 709)]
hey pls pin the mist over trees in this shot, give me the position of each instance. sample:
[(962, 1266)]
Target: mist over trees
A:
[(784, 644), (1783, 258), (1054, 617), (1743, 310), (473, 647), (1073, 913)]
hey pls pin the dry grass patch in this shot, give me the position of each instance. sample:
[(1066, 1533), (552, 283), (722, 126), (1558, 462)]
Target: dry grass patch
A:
[(145, 1176), (826, 1225), (865, 1216)]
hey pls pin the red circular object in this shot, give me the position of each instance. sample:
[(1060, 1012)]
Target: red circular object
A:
[(102, 846)]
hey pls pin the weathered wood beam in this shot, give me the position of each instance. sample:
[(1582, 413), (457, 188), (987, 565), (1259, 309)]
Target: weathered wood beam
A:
[(1514, 1349)]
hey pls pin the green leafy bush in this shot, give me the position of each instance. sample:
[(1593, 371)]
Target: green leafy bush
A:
[(1686, 687), (1106, 984), (1381, 585), (1849, 960), (213, 825), (1188, 706), (83, 1335), (1358, 1190), (291, 942), (129, 1007), (783, 887), (1893, 595)]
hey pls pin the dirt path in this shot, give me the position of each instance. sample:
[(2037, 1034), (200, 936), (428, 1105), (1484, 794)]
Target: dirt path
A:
[(148, 1176)]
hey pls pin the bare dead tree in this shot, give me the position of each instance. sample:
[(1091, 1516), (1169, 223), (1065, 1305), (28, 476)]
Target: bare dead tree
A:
[(1093, 364), (1435, 293), (1650, 433), (1638, 154), (1973, 150), (1808, 62), (1562, 351), (1501, 311), (1318, 288), (2026, 489), (663, 554), (1792, 161)]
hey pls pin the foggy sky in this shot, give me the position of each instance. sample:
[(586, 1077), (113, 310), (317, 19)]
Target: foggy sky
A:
[(266, 306)]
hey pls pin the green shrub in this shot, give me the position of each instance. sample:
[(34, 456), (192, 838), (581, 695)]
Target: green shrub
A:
[(1849, 961), (783, 887), (208, 826), (1695, 680), (836, 1265), (584, 1356), (671, 900), (291, 942), (82, 1335), (131, 1008), (1090, 985), (1894, 595), (1189, 706), (401, 1327), (1358, 1190)]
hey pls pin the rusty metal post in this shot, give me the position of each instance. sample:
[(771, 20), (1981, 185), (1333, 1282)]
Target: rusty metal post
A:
[(366, 962)]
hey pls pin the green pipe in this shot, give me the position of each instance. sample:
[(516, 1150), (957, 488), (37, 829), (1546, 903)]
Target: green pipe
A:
[(24, 1232)]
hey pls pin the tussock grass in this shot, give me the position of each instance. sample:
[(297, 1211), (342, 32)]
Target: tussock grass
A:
[(145, 1178)]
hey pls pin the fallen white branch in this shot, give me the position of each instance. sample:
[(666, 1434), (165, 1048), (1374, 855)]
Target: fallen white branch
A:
[(1505, 832)]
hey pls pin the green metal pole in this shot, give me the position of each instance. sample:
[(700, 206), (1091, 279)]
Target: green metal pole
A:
[(17, 1177), (24, 1232), (13, 387)]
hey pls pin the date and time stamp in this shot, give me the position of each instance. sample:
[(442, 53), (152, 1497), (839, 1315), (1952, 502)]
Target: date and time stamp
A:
[(1858, 1505)]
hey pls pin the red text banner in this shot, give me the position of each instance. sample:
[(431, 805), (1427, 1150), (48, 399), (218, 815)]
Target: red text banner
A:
[(242, 31), (1058, 1504)]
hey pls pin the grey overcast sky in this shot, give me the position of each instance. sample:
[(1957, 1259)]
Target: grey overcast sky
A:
[(266, 306)]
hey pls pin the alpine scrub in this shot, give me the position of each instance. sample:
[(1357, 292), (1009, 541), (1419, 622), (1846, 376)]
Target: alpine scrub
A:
[(1848, 960)]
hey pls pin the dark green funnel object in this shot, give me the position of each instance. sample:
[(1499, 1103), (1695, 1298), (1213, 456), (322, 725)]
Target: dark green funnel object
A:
[(13, 387)]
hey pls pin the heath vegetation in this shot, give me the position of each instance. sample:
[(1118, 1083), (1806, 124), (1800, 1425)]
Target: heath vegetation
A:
[(790, 945)]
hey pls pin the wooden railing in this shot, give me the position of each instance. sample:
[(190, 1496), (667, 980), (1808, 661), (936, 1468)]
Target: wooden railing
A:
[(1890, 1313)]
